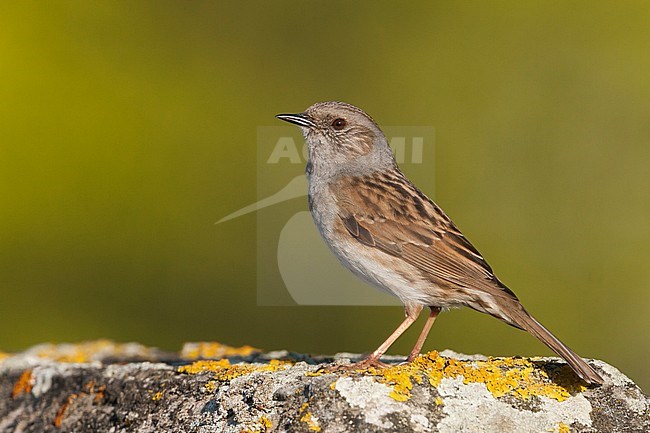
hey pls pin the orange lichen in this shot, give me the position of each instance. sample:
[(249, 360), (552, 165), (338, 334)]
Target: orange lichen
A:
[(92, 388), (224, 371), (23, 385), (502, 376), (214, 350), (62, 410)]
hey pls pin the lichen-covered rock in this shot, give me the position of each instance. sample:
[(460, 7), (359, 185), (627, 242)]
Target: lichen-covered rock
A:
[(209, 387)]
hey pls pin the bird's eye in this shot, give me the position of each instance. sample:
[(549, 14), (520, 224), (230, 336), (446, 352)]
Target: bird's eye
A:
[(339, 124)]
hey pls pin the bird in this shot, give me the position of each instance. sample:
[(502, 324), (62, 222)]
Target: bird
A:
[(390, 234)]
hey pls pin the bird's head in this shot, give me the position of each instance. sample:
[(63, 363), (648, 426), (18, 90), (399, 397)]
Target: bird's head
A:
[(342, 138)]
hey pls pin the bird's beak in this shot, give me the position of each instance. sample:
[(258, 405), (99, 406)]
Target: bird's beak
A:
[(300, 119)]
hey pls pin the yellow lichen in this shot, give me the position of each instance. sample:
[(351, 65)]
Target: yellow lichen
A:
[(266, 423), (401, 379), (563, 428), (224, 371), (201, 366), (212, 386), (308, 418), (93, 350), (157, 396), (76, 353), (100, 349), (311, 421), (4, 355), (438, 401), (214, 350), (516, 377)]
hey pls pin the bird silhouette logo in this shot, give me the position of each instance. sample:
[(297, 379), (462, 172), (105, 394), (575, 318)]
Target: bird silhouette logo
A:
[(308, 273)]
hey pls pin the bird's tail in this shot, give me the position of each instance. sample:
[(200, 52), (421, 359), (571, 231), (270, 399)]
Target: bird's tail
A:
[(522, 319)]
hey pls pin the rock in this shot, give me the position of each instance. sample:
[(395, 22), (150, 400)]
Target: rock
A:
[(108, 387)]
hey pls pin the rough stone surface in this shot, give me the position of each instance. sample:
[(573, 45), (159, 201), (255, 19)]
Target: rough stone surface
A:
[(107, 387)]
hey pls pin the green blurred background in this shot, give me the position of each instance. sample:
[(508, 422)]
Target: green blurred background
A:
[(128, 128)]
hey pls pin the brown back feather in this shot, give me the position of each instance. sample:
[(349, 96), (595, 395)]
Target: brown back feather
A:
[(387, 212)]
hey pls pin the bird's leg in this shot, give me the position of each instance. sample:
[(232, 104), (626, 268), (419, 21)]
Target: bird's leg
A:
[(412, 313), (423, 335)]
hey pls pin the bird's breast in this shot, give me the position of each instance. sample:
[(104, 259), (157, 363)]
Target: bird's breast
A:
[(381, 270)]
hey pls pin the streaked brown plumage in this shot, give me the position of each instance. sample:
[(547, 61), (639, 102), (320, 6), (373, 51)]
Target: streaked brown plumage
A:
[(391, 235)]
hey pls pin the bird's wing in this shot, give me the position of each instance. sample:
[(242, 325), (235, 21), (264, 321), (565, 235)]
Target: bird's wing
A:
[(387, 212)]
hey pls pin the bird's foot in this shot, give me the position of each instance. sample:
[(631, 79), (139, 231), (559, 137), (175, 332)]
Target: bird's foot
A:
[(412, 357), (369, 362)]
